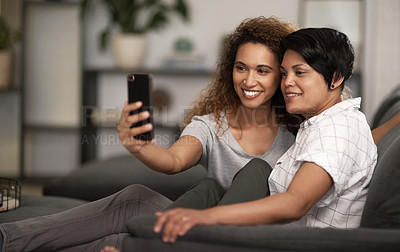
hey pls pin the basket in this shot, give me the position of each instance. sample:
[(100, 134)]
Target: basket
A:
[(10, 194)]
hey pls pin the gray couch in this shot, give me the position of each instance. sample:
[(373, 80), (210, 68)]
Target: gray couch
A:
[(379, 231), (101, 178)]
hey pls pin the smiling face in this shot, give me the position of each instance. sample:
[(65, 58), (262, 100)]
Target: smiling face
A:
[(304, 89), (256, 75)]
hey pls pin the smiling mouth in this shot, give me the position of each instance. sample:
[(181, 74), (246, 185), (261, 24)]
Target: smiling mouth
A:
[(251, 93), (293, 95)]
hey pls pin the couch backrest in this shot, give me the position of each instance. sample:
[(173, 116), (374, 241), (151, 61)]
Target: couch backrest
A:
[(382, 208), (388, 102)]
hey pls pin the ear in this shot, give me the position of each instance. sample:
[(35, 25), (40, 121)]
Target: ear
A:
[(337, 83)]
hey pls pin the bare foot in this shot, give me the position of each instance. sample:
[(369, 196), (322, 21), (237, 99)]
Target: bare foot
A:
[(109, 249)]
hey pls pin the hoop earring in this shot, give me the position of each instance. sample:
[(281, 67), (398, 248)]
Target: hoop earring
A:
[(332, 86)]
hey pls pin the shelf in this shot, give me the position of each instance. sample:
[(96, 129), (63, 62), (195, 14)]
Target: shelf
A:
[(156, 71), (12, 90), (52, 1), (52, 128)]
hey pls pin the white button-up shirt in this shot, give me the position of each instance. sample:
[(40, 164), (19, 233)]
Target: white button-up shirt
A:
[(340, 141)]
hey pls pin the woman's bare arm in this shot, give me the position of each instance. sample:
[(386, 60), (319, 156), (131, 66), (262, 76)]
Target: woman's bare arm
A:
[(183, 154), (381, 131)]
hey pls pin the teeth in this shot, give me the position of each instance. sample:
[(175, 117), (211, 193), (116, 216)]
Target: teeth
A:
[(251, 93), (292, 95)]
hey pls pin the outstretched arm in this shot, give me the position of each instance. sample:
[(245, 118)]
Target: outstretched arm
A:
[(381, 131), (183, 154), (309, 185)]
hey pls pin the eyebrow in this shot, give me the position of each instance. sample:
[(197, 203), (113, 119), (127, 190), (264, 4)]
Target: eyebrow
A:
[(239, 62), (293, 67)]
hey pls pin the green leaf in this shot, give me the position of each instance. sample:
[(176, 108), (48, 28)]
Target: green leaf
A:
[(137, 16), (181, 9), (5, 35), (104, 39), (157, 21)]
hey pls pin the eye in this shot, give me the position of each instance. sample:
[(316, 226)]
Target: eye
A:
[(240, 68), (283, 74), (300, 72), (262, 71)]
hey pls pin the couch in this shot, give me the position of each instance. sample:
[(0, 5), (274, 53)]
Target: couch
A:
[(33, 206), (100, 178), (379, 231)]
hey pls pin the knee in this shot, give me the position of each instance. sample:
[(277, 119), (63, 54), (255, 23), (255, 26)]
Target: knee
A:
[(134, 191), (136, 188), (257, 162), (257, 166), (209, 184)]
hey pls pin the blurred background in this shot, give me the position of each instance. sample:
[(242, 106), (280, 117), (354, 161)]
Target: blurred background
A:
[(61, 103)]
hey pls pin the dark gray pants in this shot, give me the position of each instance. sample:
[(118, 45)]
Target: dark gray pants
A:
[(249, 183), (89, 227)]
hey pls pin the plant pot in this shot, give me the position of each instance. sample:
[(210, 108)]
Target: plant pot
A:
[(129, 50), (5, 69)]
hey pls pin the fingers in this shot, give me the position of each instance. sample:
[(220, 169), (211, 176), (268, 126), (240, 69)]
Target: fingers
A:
[(126, 133), (109, 249), (127, 119), (173, 223)]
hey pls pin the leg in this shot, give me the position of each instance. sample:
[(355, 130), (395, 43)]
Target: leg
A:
[(204, 194), (111, 243), (82, 224), (249, 183)]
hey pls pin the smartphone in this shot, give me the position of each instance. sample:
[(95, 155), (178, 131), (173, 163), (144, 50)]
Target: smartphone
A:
[(140, 89)]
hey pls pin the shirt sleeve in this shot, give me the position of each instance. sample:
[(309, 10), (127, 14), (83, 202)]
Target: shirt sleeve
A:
[(200, 129), (327, 146)]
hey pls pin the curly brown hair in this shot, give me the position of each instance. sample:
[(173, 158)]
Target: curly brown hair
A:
[(220, 94)]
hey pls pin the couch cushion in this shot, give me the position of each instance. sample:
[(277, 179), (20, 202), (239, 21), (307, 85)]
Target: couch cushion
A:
[(33, 206), (101, 178), (382, 208), (260, 238)]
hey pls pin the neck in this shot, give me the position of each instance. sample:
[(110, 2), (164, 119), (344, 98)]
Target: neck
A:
[(252, 117), (335, 99)]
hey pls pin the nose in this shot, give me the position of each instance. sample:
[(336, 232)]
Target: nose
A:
[(287, 81), (250, 80)]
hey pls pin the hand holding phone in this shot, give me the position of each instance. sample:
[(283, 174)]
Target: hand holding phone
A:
[(140, 89)]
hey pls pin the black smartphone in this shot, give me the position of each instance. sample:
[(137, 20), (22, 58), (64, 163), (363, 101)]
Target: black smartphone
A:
[(140, 89)]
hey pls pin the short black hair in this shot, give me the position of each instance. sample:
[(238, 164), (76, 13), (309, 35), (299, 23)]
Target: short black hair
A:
[(326, 50)]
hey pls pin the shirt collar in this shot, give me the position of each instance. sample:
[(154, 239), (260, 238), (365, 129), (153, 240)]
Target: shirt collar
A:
[(337, 108)]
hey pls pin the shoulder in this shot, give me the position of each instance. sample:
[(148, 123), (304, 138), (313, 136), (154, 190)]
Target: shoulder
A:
[(340, 120), (204, 124)]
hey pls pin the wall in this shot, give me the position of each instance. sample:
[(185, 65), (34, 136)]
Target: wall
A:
[(10, 102), (382, 52), (52, 88)]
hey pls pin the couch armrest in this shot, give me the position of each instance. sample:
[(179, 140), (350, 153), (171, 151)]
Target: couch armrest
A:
[(263, 238)]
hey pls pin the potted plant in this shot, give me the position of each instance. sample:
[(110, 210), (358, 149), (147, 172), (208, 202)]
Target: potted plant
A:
[(6, 40), (133, 19)]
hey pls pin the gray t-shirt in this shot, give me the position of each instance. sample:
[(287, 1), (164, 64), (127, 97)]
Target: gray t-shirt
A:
[(223, 156)]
